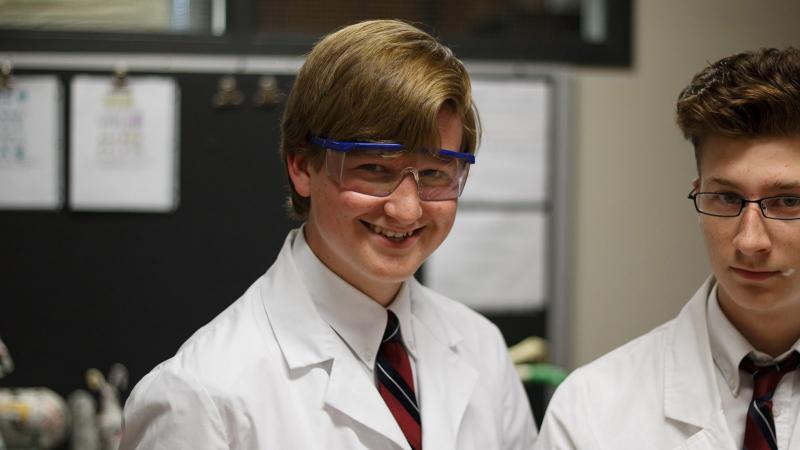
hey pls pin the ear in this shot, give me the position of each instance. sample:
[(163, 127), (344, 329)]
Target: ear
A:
[(299, 170), (696, 184)]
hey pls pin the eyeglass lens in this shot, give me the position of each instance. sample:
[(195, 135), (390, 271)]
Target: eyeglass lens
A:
[(731, 205), (379, 173)]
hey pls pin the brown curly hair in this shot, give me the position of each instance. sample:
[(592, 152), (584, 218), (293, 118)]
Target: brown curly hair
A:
[(747, 95)]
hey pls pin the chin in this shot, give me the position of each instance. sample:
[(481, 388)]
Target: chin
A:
[(759, 300), (391, 274)]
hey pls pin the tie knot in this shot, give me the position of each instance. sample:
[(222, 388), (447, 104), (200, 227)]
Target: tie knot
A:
[(789, 364), (392, 332)]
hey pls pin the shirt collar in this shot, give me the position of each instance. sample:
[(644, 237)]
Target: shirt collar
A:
[(401, 307), (354, 316), (729, 347)]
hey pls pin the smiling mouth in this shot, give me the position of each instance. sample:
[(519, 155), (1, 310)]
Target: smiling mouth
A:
[(392, 235)]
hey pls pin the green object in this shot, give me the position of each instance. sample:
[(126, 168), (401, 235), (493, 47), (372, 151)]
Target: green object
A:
[(541, 373)]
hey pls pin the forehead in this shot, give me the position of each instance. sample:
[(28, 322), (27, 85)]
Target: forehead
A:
[(751, 164)]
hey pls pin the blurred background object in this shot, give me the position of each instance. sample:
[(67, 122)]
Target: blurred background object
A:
[(6, 363), (530, 358), (138, 16), (32, 418), (37, 418), (109, 414), (84, 421)]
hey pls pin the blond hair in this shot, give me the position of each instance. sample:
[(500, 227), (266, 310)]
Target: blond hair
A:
[(380, 80)]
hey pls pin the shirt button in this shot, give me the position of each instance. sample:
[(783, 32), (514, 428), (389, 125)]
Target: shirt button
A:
[(776, 412)]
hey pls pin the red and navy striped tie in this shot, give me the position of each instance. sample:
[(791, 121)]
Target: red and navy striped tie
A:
[(759, 433), (396, 383)]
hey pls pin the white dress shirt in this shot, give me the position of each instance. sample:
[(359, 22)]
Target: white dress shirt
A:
[(728, 347)]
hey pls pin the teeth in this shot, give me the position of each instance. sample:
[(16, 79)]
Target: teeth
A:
[(390, 234)]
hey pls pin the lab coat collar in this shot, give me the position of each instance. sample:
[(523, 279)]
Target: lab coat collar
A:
[(426, 315), (691, 394), (303, 336), (447, 381)]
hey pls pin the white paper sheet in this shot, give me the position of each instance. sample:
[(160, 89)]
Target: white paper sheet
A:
[(492, 261), (31, 150), (124, 154), (512, 162)]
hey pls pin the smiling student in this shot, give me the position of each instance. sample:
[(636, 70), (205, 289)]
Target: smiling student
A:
[(337, 346), (723, 374)]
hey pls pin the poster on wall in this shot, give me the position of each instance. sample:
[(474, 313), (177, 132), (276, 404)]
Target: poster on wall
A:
[(512, 160), (495, 257), (31, 145), (124, 150), (492, 261)]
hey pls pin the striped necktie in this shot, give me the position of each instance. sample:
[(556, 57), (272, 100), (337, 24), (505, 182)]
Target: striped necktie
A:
[(396, 383), (759, 433)]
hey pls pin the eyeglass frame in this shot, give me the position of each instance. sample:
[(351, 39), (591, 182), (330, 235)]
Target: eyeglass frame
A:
[(742, 203)]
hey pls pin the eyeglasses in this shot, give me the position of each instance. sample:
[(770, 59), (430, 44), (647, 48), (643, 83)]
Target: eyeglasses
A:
[(723, 204), (377, 168)]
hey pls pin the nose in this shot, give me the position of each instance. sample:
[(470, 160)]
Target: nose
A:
[(404, 204), (751, 235)]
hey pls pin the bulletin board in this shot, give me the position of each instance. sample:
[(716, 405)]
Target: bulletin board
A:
[(88, 289)]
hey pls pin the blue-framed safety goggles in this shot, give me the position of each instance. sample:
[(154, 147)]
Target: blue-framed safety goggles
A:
[(377, 168)]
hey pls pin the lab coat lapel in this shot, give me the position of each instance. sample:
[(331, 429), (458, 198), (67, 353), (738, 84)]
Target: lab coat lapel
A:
[(691, 394), (354, 394), (306, 339), (303, 336), (446, 380)]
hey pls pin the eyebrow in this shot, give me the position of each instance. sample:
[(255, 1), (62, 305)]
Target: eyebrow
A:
[(778, 184)]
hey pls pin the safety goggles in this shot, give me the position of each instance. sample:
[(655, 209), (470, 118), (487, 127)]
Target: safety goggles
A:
[(377, 168)]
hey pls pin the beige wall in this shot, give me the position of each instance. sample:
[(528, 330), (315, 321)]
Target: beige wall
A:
[(637, 254)]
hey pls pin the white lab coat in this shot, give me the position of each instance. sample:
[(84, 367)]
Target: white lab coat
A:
[(269, 373), (659, 391)]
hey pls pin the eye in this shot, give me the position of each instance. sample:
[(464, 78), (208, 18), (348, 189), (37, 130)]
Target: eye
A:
[(436, 177), (372, 168), (788, 202), (434, 174), (729, 199)]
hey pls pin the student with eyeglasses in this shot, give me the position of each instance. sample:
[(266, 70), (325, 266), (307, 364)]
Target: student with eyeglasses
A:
[(337, 346), (724, 373)]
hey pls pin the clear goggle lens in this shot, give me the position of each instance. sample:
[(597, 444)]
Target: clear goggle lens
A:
[(379, 172)]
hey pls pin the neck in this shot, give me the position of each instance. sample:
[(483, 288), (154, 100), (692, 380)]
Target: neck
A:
[(383, 295), (770, 332)]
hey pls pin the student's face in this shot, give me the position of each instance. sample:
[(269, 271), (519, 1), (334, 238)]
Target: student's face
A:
[(755, 260), (348, 230)]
